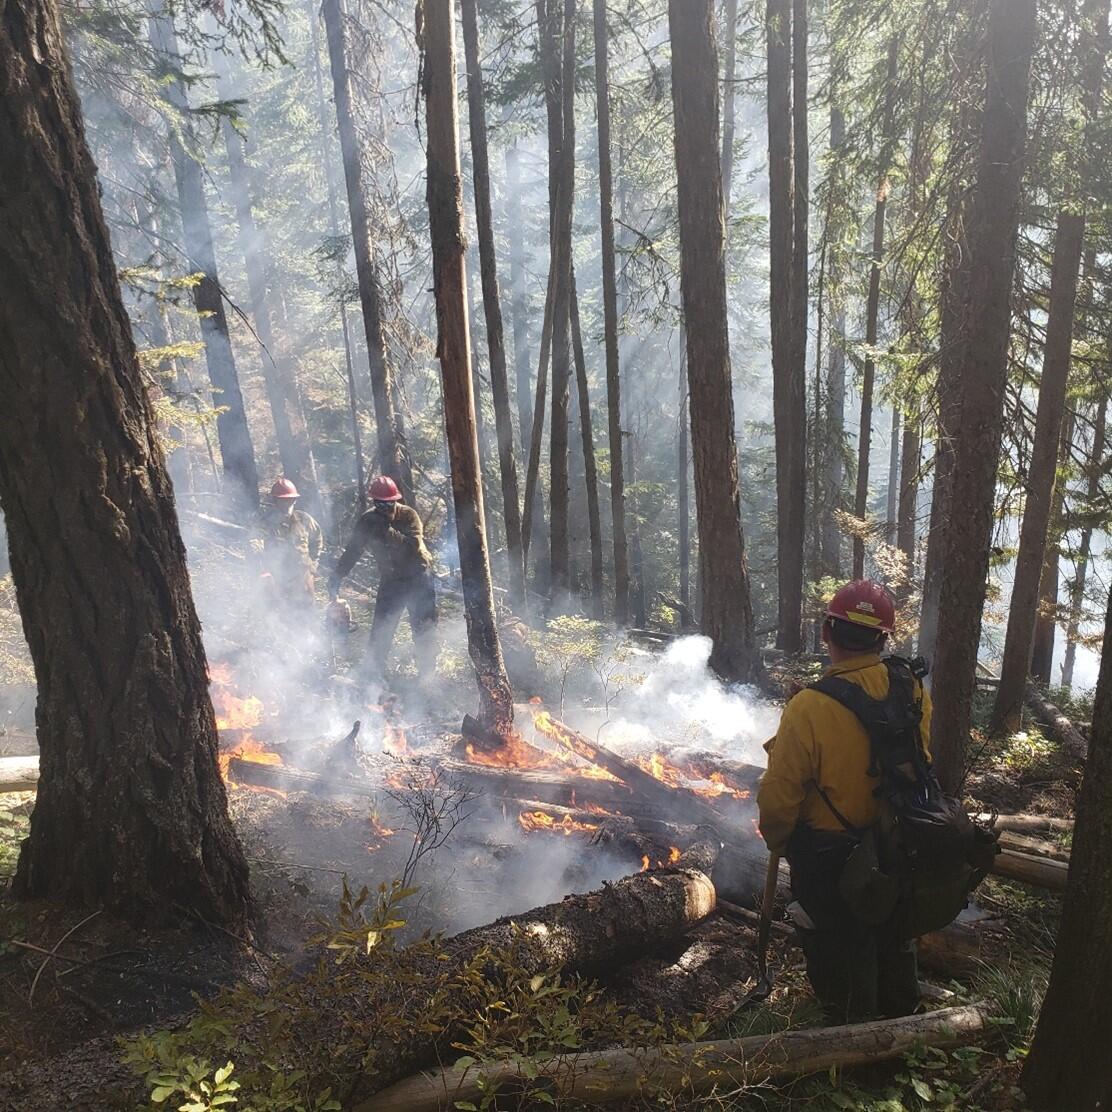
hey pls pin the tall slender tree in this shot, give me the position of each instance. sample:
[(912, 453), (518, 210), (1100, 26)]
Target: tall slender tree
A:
[(519, 309), (993, 225), (131, 813), (492, 305), (453, 348), (393, 455), (1069, 242), (1068, 1065), (236, 450), (727, 616), (610, 317), (729, 109)]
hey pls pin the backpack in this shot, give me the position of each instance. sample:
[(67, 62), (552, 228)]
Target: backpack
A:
[(924, 851)]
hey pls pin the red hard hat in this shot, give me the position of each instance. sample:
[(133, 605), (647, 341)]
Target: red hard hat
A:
[(283, 488), (864, 603), (384, 489)]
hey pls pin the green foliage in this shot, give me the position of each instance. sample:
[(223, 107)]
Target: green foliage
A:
[(570, 644)]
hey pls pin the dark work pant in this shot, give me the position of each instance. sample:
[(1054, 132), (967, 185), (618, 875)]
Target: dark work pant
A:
[(858, 971), (417, 595)]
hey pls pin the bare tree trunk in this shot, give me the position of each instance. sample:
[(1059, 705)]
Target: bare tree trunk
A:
[(518, 302), (445, 197), (910, 451), (610, 318), (788, 392), (1084, 549), (499, 381), (393, 455), (636, 555), (236, 449), (1037, 560), (892, 490), (280, 377), (334, 227), (727, 616), (590, 467), (872, 313), (834, 467), (131, 813), (993, 225), (729, 111), (533, 467), (683, 497), (1068, 1066)]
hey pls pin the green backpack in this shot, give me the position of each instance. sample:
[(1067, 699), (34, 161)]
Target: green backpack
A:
[(924, 855)]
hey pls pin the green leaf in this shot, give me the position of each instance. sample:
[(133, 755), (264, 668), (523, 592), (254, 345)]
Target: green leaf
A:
[(223, 1073), (536, 982), (466, 1106), (464, 1062), (922, 1089), (162, 1092)]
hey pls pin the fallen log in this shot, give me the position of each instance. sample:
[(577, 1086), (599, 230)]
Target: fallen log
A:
[(1032, 847), (1042, 872), (19, 774), (281, 778), (1028, 824), (1060, 727), (687, 1069), (548, 787)]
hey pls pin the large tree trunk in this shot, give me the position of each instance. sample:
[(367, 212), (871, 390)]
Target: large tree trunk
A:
[(834, 460), (993, 225), (236, 450), (683, 495), (1084, 547), (131, 811), (1036, 560), (496, 347), (590, 467), (282, 391), (872, 314), (334, 228), (453, 349), (727, 616), (530, 510), (610, 318), (788, 377), (1068, 1065), (393, 455)]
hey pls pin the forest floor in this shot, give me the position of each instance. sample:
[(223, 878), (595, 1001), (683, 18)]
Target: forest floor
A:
[(66, 978)]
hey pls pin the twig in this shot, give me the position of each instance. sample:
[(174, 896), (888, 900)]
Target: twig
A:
[(38, 974), (153, 974), (296, 865)]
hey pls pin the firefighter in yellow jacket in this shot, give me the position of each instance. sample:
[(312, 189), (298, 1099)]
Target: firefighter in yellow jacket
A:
[(817, 786)]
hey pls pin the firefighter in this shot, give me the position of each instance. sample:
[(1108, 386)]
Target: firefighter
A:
[(289, 544), (395, 535), (820, 783)]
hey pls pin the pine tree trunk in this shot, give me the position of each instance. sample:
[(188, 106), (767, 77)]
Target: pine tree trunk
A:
[(910, 451), (727, 616), (530, 509), (492, 306), (610, 318), (558, 61), (393, 455), (1084, 548), (131, 812), (834, 468), (282, 391), (992, 230), (1068, 1065), (892, 490), (683, 496), (334, 228), (236, 450), (445, 197), (636, 555), (729, 111), (787, 374), (872, 314), (590, 466), (519, 307)]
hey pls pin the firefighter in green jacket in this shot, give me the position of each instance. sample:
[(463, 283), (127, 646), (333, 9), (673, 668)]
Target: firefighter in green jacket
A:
[(289, 544), (395, 536)]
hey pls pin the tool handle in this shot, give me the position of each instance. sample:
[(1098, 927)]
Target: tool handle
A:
[(768, 902)]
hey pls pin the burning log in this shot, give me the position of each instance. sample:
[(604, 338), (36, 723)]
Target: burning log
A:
[(242, 770), (19, 774), (687, 1069), (547, 786)]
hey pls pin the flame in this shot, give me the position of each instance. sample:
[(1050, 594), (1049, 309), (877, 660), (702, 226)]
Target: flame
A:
[(381, 830), (394, 741), (571, 745), (514, 752), (249, 749), (662, 770), (645, 863), (673, 854), (541, 820), (594, 808)]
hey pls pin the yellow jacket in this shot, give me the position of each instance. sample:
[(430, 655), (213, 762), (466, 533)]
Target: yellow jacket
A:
[(819, 741)]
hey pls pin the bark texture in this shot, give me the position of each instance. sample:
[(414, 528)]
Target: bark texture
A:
[(993, 224), (727, 616), (393, 455), (453, 349), (236, 450), (1068, 1065), (131, 811), (610, 318), (492, 305)]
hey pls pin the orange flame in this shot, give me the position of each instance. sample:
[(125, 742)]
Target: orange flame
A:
[(645, 863), (673, 854), (381, 830), (661, 769), (541, 820)]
